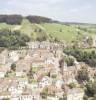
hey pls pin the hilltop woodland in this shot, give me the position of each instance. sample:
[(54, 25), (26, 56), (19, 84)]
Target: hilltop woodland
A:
[(17, 19), (13, 39), (11, 19)]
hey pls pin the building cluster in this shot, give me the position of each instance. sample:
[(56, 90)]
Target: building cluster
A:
[(34, 74)]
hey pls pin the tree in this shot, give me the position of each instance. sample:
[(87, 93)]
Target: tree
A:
[(72, 85), (69, 61), (83, 56), (82, 74), (44, 93), (40, 30), (60, 30), (91, 88), (85, 97), (61, 62), (13, 67), (56, 39), (61, 65), (30, 73), (41, 37)]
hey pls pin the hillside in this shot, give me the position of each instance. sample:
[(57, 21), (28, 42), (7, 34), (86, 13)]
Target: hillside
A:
[(67, 32)]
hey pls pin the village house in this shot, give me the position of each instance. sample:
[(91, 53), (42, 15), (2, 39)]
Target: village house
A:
[(4, 86), (22, 81), (22, 53), (58, 53), (13, 88), (33, 45), (54, 71), (33, 85), (22, 68), (43, 72), (3, 57), (5, 83), (54, 92), (41, 53), (17, 86), (45, 81), (28, 58), (59, 84), (42, 59), (45, 45), (29, 95), (5, 95), (14, 56), (69, 76), (38, 63), (3, 70), (14, 97)]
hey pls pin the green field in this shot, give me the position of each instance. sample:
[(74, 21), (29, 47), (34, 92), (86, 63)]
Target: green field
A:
[(7, 26), (60, 31), (63, 32)]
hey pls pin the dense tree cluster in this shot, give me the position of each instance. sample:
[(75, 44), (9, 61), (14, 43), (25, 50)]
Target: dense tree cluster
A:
[(17, 19), (11, 19), (83, 56), (40, 39), (38, 19), (83, 75), (72, 85), (12, 39), (91, 89), (69, 61)]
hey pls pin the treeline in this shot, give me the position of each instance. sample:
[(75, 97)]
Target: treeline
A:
[(39, 19), (83, 56), (17, 19), (11, 19), (10, 39)]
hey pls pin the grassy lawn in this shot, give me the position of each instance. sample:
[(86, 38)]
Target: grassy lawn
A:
[(27, 27), (63, 32)]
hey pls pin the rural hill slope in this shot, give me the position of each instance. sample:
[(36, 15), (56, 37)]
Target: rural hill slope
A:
[(60, 31)]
